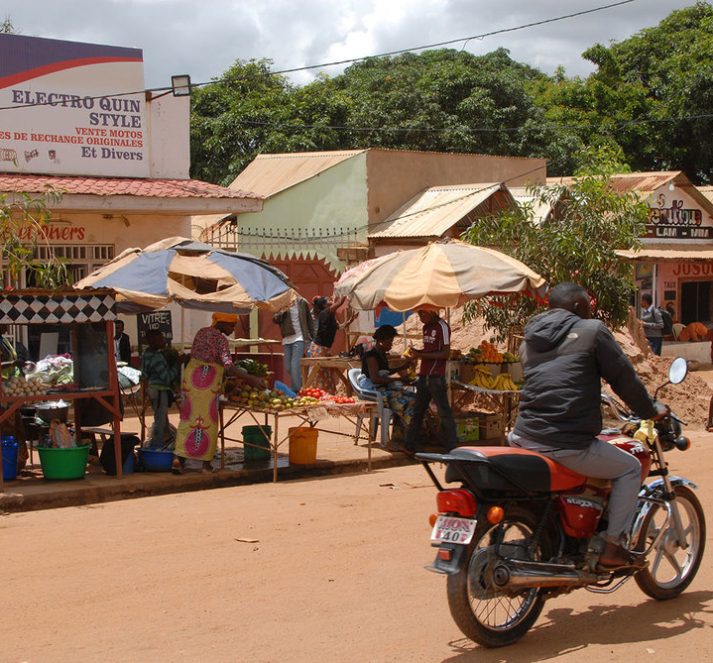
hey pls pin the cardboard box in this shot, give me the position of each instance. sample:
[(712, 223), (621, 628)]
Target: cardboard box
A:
[(491, 425), (467, 427)]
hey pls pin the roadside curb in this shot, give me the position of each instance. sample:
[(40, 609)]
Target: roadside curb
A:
[(95, 490)]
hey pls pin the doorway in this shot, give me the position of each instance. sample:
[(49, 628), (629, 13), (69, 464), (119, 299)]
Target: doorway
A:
[(695, 301)]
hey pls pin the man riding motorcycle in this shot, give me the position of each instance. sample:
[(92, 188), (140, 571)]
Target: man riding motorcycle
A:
[(565, 354)]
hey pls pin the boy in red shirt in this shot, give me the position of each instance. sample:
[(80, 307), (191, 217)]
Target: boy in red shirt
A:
[(431, 382)]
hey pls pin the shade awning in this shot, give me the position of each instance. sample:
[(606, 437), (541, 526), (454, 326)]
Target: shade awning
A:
[(679, 254)]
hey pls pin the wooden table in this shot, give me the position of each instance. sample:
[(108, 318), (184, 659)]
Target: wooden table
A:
[(310, 415), (338, 366)]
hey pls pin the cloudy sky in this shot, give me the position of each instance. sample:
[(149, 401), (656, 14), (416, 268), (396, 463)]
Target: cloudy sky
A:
[(204, 37)]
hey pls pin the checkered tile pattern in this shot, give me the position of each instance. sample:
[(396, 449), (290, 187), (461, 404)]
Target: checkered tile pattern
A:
[(54, 309)]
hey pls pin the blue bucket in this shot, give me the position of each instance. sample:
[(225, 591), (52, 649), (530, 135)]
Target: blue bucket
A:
[(155, 460), (9, 459)]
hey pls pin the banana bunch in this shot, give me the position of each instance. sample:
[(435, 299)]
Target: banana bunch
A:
[(499, 382)]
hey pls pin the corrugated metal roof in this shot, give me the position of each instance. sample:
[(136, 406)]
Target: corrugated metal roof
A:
[(269, 174), (645, 183), (540, 210), (707, 191), (434, 211), (650, 254)]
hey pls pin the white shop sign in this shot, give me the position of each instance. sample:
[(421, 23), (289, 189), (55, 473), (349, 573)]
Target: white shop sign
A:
[(72, 108)]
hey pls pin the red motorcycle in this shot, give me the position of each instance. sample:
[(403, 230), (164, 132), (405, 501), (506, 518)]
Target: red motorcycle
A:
[(520, 528)]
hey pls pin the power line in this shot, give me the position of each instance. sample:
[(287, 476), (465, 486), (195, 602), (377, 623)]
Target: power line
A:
[(454, 41), (357, 59), (468, 129)]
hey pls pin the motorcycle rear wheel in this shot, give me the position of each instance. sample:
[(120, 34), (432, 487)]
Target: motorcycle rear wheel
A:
[(483, 612), (672, 568)]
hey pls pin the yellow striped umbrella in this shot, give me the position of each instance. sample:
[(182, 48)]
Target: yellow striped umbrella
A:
[(442, 274)]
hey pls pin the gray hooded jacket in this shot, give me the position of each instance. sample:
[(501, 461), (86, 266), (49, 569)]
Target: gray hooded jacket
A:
[(564, 359)]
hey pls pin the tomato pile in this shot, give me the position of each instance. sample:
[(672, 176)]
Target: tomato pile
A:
[(322, 395)]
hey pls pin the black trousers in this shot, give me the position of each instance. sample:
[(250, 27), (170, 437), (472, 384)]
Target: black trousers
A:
[(432, 388)]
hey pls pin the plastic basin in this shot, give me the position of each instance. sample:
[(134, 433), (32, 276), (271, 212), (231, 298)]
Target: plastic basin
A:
[(155, 460), (63, 464)]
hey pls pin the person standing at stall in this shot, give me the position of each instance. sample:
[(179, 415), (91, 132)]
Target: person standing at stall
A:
[(122, 343), (431, 383), (197, 435), (653, 323), (161, 370), (327, 327), (297, 331)]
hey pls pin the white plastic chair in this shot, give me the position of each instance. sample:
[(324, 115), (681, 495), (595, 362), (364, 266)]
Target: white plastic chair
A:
[(380, 416), (677, 329)]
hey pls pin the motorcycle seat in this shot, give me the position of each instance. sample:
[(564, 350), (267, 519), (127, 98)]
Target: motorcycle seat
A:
[(508, 468)]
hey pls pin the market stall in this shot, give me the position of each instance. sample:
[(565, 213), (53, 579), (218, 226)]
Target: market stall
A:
[(198, 276), (449, 274), (89, 316), (267, 413)]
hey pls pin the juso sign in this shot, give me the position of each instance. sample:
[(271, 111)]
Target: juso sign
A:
[(72, 108)]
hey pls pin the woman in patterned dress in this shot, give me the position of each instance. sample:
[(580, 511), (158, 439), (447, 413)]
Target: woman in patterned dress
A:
[(197, 435)]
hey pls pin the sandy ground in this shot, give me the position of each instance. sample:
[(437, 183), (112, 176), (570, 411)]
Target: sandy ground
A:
[(328, 569)]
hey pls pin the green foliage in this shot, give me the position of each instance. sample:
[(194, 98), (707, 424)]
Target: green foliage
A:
[(590, 221), (453, 101), (660, 75), (23, 219)]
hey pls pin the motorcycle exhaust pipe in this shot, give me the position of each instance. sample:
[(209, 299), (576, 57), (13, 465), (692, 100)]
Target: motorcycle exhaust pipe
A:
[(517, 574)]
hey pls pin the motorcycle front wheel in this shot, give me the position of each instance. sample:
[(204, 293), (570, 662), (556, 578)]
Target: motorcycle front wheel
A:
[(484, 612), (671, 567)]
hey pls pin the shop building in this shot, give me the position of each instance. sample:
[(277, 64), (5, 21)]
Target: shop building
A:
[(78, 122), (675, 260)]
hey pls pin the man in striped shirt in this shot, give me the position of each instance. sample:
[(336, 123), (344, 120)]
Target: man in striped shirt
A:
[(431, 382)]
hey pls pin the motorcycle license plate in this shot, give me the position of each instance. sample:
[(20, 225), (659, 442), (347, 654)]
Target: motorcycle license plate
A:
[(451, 529)]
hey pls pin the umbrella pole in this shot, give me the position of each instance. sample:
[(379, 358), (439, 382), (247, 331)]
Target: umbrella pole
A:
[(403, 324), (448, 361)]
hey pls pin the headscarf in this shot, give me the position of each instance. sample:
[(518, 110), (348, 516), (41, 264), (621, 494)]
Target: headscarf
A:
[(230, 318)]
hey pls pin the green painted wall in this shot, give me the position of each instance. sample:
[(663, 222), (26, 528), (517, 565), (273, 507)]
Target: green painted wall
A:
[(312, 218)]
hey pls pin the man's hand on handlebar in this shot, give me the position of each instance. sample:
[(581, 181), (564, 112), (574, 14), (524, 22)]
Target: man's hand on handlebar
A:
[(662, 411)]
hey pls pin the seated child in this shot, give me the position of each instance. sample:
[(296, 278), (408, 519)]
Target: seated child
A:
[(161, 369)]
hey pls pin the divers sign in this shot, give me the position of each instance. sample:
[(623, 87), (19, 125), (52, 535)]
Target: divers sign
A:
[(72, 108)]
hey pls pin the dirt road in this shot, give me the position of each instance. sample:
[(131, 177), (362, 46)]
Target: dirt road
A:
[(321, 570)]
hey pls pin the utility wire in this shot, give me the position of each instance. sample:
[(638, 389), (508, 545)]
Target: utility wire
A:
[(454, 41), (350, 60)]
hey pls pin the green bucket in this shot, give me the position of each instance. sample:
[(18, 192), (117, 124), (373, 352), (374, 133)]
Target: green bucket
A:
[(257, 442), (63, 464)]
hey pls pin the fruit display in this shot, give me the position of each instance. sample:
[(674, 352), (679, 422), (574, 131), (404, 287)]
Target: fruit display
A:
[(499, 382), (321, 395), (253, 367), (487, 353), (18, 387)]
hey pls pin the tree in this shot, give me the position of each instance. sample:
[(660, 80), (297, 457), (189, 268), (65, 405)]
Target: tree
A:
[(651, 95), (23, 222), (237, 117), (590, 221)]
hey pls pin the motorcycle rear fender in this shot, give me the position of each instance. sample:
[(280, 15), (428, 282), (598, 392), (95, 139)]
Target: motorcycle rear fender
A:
[(458, 558), (649, 491)]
